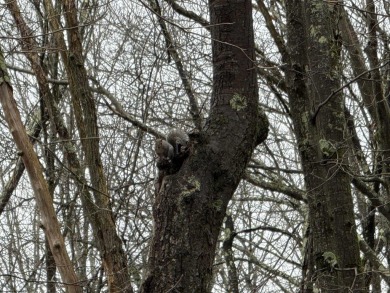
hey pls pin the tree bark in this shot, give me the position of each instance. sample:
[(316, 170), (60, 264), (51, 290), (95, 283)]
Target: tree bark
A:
[(97, 209), (190, 205), (102, 221), (319, 122), (228, 254), (43, 198)]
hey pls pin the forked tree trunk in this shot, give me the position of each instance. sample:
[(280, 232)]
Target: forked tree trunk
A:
[(191, 204)]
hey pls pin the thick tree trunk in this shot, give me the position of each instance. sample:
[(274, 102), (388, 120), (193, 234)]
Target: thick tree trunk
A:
[(319, 124), (190, 205)]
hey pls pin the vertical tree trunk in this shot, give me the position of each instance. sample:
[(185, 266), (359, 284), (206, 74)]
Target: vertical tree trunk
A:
[(228, 254), (319, 121), (100, 214), (191, 204), (382, 113)]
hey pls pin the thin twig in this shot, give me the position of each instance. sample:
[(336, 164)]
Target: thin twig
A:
[(317, 110)]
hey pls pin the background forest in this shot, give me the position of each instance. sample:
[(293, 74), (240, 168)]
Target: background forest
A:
[(96, 82)]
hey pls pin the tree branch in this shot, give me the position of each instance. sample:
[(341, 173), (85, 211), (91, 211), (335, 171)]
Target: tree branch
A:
[(318, 108), (117, 108), (172, 51)]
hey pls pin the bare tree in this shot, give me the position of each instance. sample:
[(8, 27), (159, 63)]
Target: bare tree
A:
[(144, 67), (191, 203), (314, 76), (48, 219)]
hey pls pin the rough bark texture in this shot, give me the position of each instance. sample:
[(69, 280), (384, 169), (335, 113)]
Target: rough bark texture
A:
[(43, 198), (313, 77), (191, 204)]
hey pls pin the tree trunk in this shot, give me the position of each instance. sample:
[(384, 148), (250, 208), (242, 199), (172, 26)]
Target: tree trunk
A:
[(99, 212), (43, 198), (97, 209), (228, 255), (190, 205), (319, 122)]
